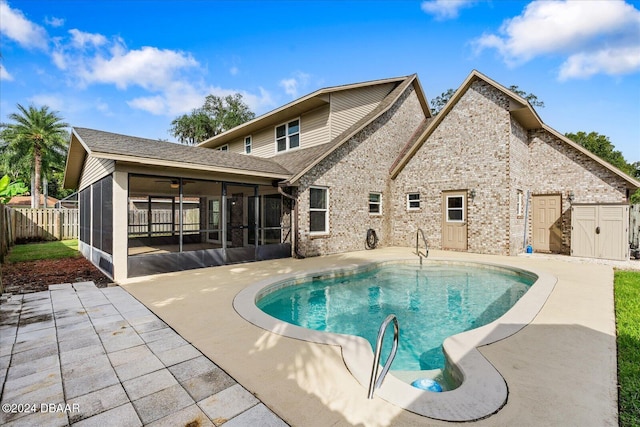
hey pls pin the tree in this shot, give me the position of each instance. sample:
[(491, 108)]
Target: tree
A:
[(603, 148), (34, 145), (440, 101), (9, 189), (214, 117)]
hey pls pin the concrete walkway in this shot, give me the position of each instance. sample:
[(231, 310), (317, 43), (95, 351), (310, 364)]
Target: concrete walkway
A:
[(560, 369), (83, 356)]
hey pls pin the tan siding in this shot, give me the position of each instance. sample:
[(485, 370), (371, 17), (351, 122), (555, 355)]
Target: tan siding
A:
[(314, 127), (95, 169), (349, 106), (264, 142)]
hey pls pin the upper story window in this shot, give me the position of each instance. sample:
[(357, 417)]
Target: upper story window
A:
[(247, 145), (288, 135), (224, 147), (375, 203)]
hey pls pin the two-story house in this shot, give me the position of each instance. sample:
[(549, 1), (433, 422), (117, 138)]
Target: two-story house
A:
[(340, 169)]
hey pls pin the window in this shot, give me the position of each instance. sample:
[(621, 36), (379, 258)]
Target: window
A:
[(247, 145), (224, 147), (520, 204), (375, 203), (318, 210), (288, 136), (455, 209), (413, 201)]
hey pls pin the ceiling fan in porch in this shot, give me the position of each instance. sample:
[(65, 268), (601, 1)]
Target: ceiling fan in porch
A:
[(175, 183)]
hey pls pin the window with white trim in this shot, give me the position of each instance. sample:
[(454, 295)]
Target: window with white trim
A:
[(288, 135), (224, 147), (318, 210), (247, 144), (413, 201), (375, 203), (455, 208), (520, 204)]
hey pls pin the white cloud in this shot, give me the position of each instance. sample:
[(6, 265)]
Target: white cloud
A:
[(181, 97), (445, 9), (294, 84), (54, 22), (612, 61), (18, 28), (605, 31), (4, 74), (234, 71), (81, 39)]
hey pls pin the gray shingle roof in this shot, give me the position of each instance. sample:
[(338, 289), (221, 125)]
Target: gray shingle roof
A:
[(108, 143)]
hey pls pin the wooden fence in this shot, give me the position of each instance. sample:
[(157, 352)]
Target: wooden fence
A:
[(5, 236), (42, 224)]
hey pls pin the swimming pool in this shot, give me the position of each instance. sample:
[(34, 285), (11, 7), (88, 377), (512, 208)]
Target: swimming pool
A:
[(480, 390), (431, 302)]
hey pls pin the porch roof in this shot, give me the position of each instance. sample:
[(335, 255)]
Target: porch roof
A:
[(89, 142)]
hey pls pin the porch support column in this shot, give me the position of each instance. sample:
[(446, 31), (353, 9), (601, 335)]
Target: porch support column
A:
[(120, 227)]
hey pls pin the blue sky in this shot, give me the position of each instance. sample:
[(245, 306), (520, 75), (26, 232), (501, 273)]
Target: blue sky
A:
[(132, 66)]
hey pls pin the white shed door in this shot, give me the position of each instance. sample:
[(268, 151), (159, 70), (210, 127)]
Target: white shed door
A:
[(600, 231)]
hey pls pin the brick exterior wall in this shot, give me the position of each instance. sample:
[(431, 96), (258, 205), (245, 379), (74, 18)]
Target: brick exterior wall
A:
[(469, 150), (557, 168), (359, 166), (478, 146)]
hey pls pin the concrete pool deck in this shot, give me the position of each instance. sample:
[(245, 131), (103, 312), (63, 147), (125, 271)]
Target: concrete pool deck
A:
[(560, 369)]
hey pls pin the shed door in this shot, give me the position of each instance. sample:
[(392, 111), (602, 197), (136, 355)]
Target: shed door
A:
[(454, 221), (600, 231), (547, 223)]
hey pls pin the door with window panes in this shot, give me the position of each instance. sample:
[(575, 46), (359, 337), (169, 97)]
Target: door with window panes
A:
[(454, 220)]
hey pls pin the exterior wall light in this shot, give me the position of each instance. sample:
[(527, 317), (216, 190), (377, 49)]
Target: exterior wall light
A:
[(472, 194), (571, 196)]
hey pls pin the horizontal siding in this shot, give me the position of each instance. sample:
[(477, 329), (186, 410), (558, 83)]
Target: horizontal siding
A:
[(314, 127), (95, 169), (347, 107), (264, 142)]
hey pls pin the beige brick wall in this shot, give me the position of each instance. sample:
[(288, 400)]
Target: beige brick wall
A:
[(468, 151), (557, 168), (358, 167)]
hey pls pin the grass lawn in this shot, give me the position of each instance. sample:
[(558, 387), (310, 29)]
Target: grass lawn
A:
[(627, 295), (46, 250)]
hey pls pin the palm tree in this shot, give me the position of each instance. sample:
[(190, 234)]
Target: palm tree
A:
[(35, 143)]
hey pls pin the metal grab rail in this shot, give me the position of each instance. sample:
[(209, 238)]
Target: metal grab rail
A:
[(376, 383), (426, 247)]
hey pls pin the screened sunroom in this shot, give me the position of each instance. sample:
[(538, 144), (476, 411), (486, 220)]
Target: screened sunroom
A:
[(177, 223)]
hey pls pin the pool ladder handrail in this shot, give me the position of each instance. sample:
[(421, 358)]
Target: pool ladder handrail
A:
[(426, 246), (375, 383)]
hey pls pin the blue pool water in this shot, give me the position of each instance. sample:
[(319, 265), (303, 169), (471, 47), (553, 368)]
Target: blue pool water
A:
[(431, 302)]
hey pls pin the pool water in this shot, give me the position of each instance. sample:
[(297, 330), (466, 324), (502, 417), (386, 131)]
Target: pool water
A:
[(431, 303)]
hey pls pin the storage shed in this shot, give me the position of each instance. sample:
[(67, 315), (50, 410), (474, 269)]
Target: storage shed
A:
[(600, 231)]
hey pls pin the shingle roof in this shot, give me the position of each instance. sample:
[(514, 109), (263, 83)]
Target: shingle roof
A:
[(104, 144)]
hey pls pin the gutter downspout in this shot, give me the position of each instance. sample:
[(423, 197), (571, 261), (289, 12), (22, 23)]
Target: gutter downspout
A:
[(294, 219)]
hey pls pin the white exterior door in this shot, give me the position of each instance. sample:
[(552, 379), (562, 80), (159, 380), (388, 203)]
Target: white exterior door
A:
[(600, 231)]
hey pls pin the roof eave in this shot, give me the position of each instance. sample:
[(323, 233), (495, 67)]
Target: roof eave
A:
[(183, 165), (292, 109), (76, 156)]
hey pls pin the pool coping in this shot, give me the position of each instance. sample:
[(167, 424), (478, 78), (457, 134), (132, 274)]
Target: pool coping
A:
[(480, 377)]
